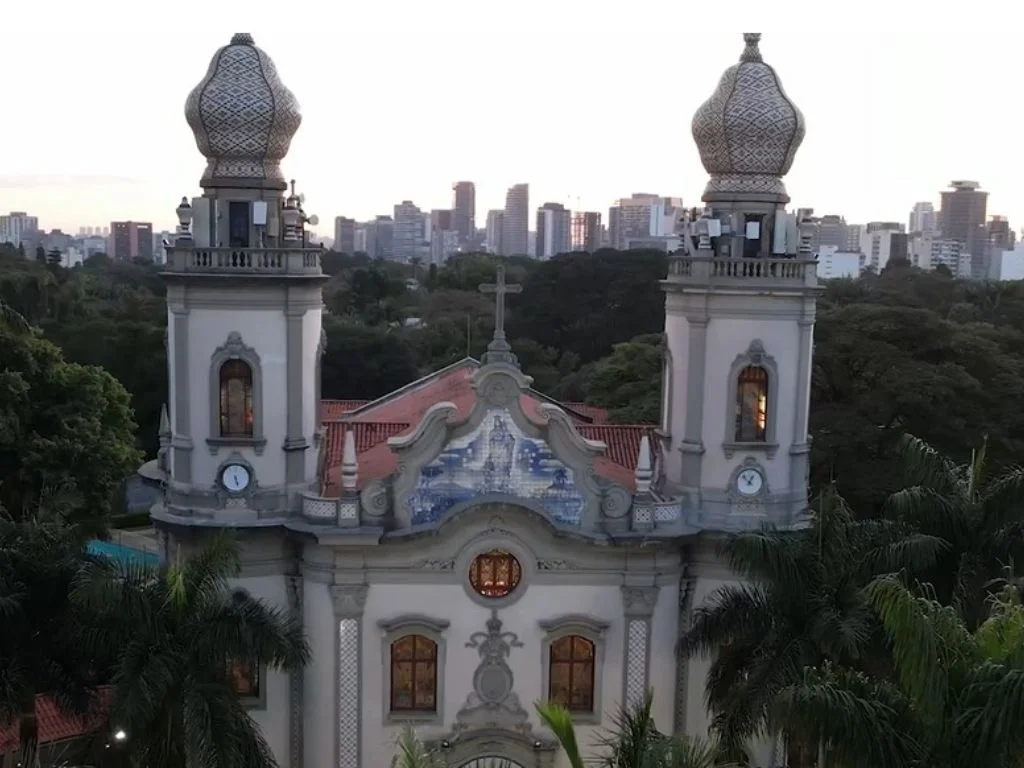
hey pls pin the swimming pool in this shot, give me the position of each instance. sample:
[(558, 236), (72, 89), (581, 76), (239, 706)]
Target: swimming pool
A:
[(122, 553)]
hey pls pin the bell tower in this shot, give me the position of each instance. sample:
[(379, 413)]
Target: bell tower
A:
[(739, 316), (244, 299)]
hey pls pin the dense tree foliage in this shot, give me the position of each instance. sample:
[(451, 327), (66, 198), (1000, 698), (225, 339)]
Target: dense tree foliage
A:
[(903, 351)]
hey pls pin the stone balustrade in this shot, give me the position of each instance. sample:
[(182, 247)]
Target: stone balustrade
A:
[(343, 511), (758, 273), (247, 261)]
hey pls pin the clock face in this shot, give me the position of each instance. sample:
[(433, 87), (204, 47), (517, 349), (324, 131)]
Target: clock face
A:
[(235, 478), (749, 482)]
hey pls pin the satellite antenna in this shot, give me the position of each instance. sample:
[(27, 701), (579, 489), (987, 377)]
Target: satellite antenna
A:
[(313, 220), (302, 197)]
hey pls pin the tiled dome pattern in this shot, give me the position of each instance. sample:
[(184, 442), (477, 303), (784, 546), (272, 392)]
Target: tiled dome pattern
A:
[(748, 132), (243, 117)]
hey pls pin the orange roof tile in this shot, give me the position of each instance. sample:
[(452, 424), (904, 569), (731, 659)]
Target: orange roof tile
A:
[(55, 726), (595, 413)]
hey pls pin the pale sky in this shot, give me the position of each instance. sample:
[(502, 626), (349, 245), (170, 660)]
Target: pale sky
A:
[(586, 100)]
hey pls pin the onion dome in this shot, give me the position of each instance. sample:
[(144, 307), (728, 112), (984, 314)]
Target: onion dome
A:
[(243, 118), (748, 132)]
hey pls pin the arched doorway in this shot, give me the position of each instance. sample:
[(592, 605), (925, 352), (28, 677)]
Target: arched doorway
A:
[(491, 761)]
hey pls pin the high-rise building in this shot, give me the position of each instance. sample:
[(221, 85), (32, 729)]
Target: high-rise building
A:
[(882, 241), (131, 240), (962, 217), (999, 233), (17, 227), (930, 250), (515, 240), (494, 232), (380, 238), (643, 216), (344, 235), (554, 230), (444, 240), (409, 235), (586, 231), (464, 210), (923, 218)]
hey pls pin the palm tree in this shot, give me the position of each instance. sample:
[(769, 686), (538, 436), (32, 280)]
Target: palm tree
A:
[(980, 516), (412, 753), (633, 741), (177, 630), (40, 628), (957, 698), (799, 604)]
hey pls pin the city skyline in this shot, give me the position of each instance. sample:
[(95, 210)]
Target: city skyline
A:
[(888, 128)]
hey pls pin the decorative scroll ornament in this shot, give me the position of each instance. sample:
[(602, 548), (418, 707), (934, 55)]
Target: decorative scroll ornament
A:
[(493, 703)]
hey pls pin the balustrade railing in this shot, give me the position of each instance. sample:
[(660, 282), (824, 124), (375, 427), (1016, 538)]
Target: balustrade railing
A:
[(267, 261), (730, 271)]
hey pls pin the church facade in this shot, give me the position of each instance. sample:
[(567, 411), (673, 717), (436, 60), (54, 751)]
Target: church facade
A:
[(465, 546)]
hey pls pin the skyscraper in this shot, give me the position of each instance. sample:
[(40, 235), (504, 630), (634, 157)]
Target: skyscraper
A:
[(586, 231), (643, 216), (516, 222), (409, 234), (131, 240), (553, 230), (464, 210), (495, 227), (922, 218), (962, 218), (344, 235)]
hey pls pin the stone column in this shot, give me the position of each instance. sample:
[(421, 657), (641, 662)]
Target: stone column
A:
[(349, 602), (692, 444), (638, 608), (801, 449), (295, 443), (296, 681)]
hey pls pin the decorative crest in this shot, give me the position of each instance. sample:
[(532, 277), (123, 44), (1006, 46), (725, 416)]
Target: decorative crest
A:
[(499, 351), (752, 52)]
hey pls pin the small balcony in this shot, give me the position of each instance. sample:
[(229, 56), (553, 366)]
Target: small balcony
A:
[(300, 262), (748, 274)]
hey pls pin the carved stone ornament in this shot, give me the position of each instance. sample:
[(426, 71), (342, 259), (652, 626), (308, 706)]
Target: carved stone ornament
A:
[(493, 703), (556, 565), (616, 502), (374, 498), (435, 565), (349, 600), (639, 601), (499, 390)]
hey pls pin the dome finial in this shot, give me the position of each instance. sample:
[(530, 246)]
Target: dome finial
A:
[(751, 52), (242, 38)]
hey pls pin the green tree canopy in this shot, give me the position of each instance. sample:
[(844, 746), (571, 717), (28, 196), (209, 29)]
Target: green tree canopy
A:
[(66, 430)]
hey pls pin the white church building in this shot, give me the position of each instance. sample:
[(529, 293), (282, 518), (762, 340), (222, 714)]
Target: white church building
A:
[(466, 546)]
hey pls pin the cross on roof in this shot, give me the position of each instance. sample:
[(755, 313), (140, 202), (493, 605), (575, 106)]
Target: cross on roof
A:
[(499, 288), (499, 350)]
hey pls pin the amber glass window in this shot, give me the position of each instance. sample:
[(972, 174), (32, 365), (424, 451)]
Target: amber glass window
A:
[(495, 574), (244, 679), (414, 674), (571, 673), (235, 399), (752, 405)]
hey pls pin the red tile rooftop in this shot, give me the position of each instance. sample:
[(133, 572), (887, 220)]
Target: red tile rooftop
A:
[(54, 726), (400, 412)]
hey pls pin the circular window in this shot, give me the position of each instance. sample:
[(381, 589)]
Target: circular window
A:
[(495, 574)]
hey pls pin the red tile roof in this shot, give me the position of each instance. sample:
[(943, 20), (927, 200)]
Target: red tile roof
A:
[(400, 412), (332, 410), (55, 726)]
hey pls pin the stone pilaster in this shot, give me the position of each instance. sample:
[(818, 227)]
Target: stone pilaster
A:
[(638, 608), (349, 601), (687, 585), (296, 682)]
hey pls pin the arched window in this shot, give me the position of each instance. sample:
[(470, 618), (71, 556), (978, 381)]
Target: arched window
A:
[(752, 405), (571, 673), (413, 674), (236, 415)]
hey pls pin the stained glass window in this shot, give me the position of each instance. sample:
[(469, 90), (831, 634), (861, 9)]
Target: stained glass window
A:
[(495, 574), (413, 674), (752, 405), (571, 673), (244, 679), (235, 399)]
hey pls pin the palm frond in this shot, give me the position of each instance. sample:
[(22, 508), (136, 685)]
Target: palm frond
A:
[(866, 723), (732, 611), (923, 465), (559, 721), (766, 556), (412, 753), (928, 642)]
